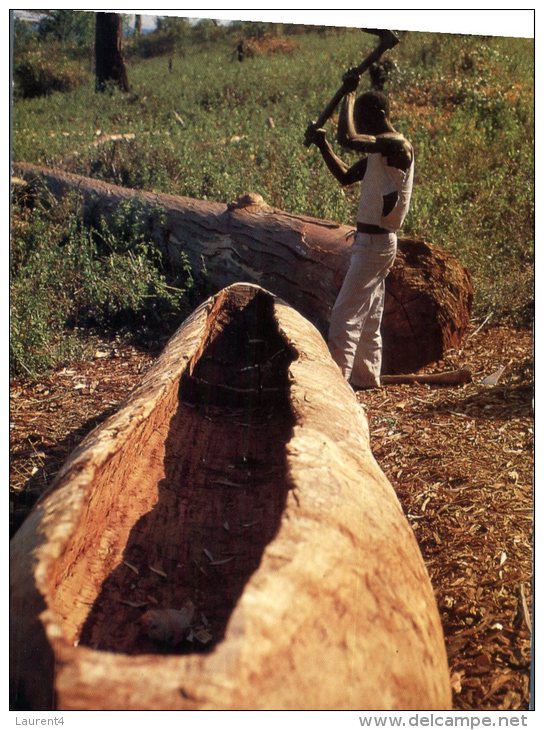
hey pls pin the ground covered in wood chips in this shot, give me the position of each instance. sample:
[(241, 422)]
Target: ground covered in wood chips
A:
[(460, 459)]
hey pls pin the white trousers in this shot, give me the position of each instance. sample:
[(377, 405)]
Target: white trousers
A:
[(355, 341)]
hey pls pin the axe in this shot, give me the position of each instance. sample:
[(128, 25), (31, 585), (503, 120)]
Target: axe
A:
[(388, 40)]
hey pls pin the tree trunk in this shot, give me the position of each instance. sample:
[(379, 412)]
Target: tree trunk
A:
[(110, 64), (138, 25), (301, 259), (236, 482)]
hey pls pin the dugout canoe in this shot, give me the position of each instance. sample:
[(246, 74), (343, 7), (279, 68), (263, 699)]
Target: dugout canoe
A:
[(226, 541)]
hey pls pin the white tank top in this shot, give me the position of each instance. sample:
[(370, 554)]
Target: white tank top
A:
[(381, 179)]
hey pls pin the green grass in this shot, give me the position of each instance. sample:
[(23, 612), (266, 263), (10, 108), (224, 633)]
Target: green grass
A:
[(465, 102), (68, 279)]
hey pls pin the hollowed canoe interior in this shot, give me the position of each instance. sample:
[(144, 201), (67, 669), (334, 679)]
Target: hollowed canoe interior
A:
[(185, 511)]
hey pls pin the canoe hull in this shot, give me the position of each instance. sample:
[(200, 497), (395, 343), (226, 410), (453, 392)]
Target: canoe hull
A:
[(289, 540)]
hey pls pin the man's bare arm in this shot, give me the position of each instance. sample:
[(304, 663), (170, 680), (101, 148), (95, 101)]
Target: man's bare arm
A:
[(344, 174), (347, 134), (392, 145)]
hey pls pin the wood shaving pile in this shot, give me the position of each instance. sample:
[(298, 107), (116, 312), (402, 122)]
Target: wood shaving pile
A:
[(50, 416), (461, 462), (460, 459)]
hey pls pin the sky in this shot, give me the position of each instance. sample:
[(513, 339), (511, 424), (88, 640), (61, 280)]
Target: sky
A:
[(484, 21), (148, 21)]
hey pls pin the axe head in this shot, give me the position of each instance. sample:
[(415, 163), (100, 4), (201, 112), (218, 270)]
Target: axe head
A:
[(388, 39)]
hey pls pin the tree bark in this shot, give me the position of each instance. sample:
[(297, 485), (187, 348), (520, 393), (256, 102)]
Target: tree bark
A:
[(110, 64), (269, 514), (302, 259)]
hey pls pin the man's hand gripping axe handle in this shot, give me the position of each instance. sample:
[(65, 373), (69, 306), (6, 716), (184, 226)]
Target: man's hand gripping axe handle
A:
[(388, 40)]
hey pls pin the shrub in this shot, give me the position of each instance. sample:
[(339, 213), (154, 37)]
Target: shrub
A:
[(66, 277), (268, 44), (37, 76), (152, 45)]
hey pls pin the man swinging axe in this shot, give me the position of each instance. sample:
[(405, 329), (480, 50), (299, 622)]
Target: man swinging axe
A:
[(386, 173)]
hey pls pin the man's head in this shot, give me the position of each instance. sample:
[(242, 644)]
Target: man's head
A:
[(371, 112)]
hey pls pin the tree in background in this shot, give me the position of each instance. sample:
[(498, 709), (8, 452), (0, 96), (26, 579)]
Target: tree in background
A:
[(110, 64), (67, 26), (207, 30), (50, 51), (176, 30), (172, 25), (24, 36), (171, 36)]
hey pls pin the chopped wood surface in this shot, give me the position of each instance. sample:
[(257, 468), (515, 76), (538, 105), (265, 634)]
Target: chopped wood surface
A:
[(460, 459)]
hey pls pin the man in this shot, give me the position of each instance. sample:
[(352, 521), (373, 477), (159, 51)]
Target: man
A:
[(386, 173)]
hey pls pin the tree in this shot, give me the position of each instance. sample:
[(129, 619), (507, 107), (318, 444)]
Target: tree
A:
[(67, 26), (176, 29), (110, 64), (206, 30), (24, 36)]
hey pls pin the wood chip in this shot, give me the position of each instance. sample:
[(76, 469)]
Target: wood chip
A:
[(168, 625), (222, 562), (132, 567), (204, 636), (158, 571)]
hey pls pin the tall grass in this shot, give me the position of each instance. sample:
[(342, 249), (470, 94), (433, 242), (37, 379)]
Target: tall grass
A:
[(215, 128)]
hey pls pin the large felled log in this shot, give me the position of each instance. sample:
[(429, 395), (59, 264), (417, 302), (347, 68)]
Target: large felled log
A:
[(227, 541), (301, 259)]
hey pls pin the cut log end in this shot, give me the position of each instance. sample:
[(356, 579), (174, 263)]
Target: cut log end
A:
[(427, 308)]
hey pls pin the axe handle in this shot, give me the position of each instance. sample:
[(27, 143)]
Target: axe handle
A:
[(337, 98)]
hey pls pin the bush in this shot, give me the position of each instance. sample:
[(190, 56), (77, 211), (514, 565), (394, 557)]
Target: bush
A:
[(68, 26), (66, 278), (36, 76), (152, 45)]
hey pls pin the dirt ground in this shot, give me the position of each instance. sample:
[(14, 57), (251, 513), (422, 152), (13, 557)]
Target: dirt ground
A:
[(460, 458)]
